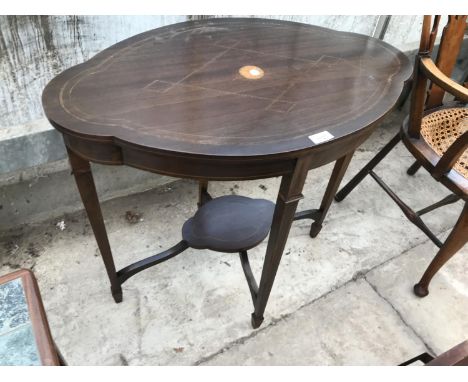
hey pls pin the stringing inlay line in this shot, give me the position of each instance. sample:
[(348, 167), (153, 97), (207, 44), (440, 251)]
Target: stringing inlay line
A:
[(278, 98), (360, 66), (202, 67)]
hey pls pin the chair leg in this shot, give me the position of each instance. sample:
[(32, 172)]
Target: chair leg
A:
[(412, 216), (367, 168), (413, 169), (455, 241)]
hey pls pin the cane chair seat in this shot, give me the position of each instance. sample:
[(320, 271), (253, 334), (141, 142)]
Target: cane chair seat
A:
[(435, 132), (441, 128)]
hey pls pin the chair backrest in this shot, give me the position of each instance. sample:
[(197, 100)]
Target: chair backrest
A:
[(450, 44), (424, 97)]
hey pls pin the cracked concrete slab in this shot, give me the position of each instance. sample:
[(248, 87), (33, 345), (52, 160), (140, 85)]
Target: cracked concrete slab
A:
[(196, 304), (97, 333), (350, 326), (441, 318)]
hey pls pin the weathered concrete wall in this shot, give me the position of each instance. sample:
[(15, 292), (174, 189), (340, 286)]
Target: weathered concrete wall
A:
[(403, 31), (357, 24), (33, 49)]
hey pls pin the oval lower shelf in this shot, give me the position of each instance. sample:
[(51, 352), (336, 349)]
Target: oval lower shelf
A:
[(229, 223)]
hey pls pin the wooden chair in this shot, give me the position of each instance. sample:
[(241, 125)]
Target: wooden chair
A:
[(436, 134), (456, 356)]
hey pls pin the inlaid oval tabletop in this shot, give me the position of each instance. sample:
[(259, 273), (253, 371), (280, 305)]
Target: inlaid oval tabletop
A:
[(229, 87)]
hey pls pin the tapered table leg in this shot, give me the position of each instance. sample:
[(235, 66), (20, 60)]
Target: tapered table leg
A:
[(339, 170), (203, 195), (85, 182), (290, 193)]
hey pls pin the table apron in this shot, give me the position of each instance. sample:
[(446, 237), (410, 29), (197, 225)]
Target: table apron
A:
[(212, 168)]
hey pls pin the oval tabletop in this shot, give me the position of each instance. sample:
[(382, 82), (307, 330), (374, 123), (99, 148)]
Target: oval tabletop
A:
[(229, 87)]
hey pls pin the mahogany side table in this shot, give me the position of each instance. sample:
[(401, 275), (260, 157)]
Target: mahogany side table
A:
[(226, 99)]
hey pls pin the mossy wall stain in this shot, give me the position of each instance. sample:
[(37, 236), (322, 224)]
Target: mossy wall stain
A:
[(34, 49)]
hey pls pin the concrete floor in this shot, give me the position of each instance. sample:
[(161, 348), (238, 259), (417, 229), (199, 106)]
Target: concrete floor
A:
[(344, 298)]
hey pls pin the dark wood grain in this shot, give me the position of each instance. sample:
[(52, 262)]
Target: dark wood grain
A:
[(289, 194), (457, 356), (180, 101), (178, 88), (446, 55), (230, 223), (81, 170)]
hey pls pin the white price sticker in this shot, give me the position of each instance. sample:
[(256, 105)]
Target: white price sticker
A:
[(321, 137)]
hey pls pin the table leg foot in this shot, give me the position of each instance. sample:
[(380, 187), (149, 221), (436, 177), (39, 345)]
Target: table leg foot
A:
[(315, 229), (420, 290), (256, 321), (117, 294)]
